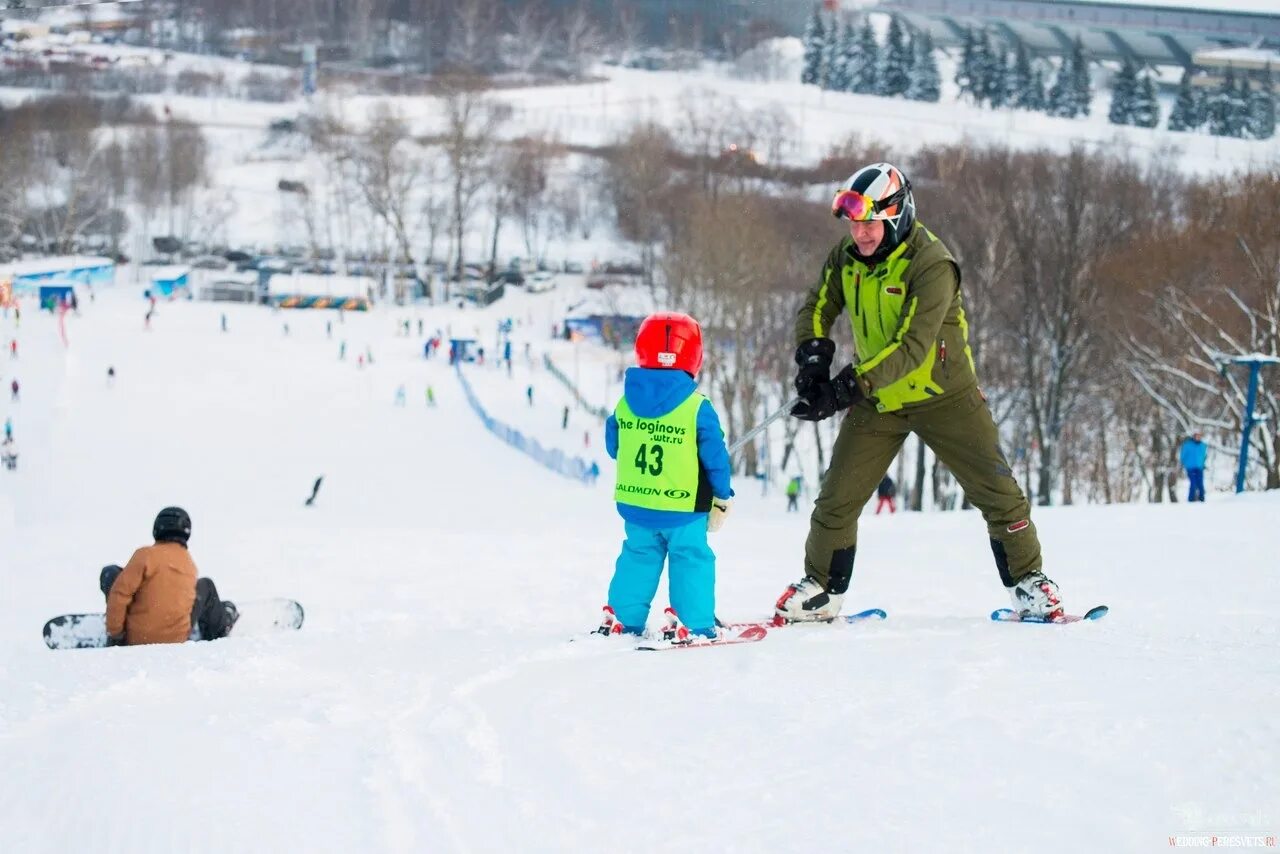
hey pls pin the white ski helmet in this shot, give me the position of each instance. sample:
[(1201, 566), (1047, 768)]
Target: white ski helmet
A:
[(879, 191)]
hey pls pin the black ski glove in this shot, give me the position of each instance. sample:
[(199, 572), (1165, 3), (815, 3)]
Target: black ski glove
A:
[(830, 397), (814, 358)]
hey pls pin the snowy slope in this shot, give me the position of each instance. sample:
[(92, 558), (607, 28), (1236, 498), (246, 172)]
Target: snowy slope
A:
[(432, 703)]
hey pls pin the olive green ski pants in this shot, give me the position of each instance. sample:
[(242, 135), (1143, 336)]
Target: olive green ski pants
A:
[(961, 432)]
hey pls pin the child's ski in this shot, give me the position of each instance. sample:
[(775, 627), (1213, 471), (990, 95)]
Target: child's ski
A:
[(1007, 615), (778, 623), (750, 634)]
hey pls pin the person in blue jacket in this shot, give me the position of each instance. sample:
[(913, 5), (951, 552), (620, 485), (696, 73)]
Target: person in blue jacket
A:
[(1192, 456), (673, 483)]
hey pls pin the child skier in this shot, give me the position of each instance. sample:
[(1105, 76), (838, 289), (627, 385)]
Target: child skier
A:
[(673, 483)]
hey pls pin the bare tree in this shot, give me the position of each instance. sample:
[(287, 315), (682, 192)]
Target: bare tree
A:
[(388, 166), (475, 24), (527, 173), (532, 28), (582, 39), (639, 178), (472, 122)]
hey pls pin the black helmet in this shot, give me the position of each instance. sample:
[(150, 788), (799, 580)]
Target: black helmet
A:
[(879, 191), (172, 525)]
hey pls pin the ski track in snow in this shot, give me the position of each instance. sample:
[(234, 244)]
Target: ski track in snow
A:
[(433, 700)]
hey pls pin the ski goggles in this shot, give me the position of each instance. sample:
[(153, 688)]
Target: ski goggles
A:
[(859, 207)]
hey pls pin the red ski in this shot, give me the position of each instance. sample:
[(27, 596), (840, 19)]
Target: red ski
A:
[(751, 634)]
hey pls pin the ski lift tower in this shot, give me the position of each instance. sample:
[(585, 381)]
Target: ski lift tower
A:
[(1255, 361)]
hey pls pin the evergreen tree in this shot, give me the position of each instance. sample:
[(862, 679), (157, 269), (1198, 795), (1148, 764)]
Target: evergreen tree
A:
[(1081, 90), (1123, 91), (983, 71), (1058, 102), (999, 84), (1021, 95), (1220, 105), (1146, 109), (965, 68), (839, 77), (897, 65), (1240, 108), (864, 74), (832, 60), (1188, 109), (1036, 98), (815, 46), (1262, 108), (926, 82)]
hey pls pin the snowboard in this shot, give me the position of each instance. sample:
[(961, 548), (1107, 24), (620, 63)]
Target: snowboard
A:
[(750, 634), (1007, 615), (257, 617), (777, 622)]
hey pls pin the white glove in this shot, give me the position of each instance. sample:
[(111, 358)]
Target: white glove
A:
[(719, 510)]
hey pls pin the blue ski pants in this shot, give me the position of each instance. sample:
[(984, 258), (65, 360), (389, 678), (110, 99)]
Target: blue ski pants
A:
[(691, 580), (1195, 478)]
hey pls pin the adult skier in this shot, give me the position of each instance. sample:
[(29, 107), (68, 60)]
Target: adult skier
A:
[(913, 373), (158, 597)]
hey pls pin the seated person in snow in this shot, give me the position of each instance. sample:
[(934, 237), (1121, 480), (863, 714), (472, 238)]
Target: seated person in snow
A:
[(157, 597)]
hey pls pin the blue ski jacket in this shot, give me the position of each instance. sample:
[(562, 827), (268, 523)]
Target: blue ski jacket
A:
[(652, 393), (1193, 453)]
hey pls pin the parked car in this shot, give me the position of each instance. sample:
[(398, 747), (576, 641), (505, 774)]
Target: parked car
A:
[(210, 262), (540, 282), (509, 277), (573, 267)]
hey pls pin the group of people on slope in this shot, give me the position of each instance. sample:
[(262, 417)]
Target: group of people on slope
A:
[(914, 373)]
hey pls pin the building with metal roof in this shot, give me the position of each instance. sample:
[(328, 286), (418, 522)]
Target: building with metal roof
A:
[(1148, 33)]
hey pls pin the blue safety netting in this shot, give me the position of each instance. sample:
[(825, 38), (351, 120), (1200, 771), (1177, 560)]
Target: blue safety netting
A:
[(553, 458)]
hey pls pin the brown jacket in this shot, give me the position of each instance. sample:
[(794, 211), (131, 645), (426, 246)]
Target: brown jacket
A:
[(151, 600)]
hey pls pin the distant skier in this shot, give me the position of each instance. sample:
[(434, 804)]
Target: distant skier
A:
[(673, 483), (224, 322), (315, 490), (13, 388), (885, 493), (400, 395), (793, 494), (111, 376), (914, 373), (9, 453), (564, 419), (328, 329), (13, 349), (431, 396), (158, 596), (8, 427), (1192, 455), (593, 473), (342, 351), (419, 327), (528, 393)]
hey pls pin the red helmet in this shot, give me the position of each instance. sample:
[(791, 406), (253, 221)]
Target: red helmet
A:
[(669, 339)]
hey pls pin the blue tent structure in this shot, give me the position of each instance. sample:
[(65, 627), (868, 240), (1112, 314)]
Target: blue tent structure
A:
[(166, 280), (28, 276)]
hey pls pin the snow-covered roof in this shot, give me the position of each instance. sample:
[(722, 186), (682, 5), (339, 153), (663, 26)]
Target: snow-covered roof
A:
[(310, 284), (171, 273), (56, 264), (98, 13), (1240, 57)]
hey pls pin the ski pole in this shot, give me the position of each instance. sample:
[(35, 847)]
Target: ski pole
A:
[(756, 430)]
